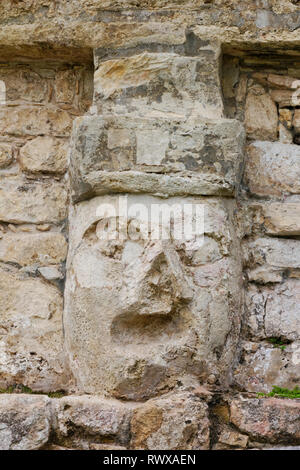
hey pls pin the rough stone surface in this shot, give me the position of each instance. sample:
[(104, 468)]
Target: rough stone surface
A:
[(25, 422), (282, 219), (86, 421), (5, 155), (126, 146), (31, 338), (178, 421), (262, 366), (260, 116), (271, 420), (274, 311), (44, 155), (273, 169), (161, 83), (33, 248), (25, 201)]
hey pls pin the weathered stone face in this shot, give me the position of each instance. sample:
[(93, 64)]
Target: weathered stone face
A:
[(140, 314)]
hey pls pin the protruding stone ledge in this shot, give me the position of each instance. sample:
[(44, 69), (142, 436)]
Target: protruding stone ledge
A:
[(155, 156)]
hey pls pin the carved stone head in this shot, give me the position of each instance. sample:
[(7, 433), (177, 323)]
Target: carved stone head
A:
[(145, 315)]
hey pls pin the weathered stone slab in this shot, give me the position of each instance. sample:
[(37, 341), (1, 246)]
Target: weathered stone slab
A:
[(25, 201), (5, 155), (275, 311), (261, 117), (31, 337), (44, 155), (23, 84), (274, 253), (161, 83), (173, 422), (281, 219), (127, 155), (25, 421), (39, 249), (150, 311), (273, 169), (262, 366), (85, 420), (34, 121), (272, 420)]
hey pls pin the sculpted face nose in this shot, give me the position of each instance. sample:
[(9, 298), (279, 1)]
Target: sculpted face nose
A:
[(155, 284)]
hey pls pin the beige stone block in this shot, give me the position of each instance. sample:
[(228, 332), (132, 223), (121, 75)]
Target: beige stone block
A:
[(232, 439), (151, 147), (261, 118), (272, 420), (264, 366), (25, 421), (286, 98), (31, 336), (273, 311), (285, 135), (85, 421), (296, 120), (286, 117), (6, 155), (24, 85), (130, 156), (273, 169), (25, 201), (34, 121), (176, 421), (184, 86), (39, 249), (44, 155), (65, 86), (281, 219)]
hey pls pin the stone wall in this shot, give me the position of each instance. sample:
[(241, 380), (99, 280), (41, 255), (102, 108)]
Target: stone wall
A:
[(106, 343)]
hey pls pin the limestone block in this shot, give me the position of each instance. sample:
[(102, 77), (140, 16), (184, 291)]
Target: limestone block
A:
[(281, 219), (163, 83), (6, 156), (274, 253), (229, 440), (176, 421), (261, 118), (34, 121), (40, 249), (272, 420), (24, 85), (44, 155), (274, 311), (141, 313), (273, 169), (65, 86), (25, 421), (199, 159), (85, 421), (262, 366), (31, 337), (296, 120), (25, 201), (286, 98)]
